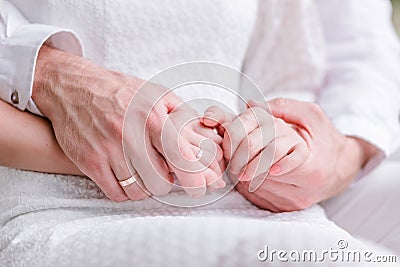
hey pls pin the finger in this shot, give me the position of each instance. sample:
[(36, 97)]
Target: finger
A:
[(250, 147), (209, 133), (181, 159), (171, 100), (213, 173), (207, 158), (205, 144), (253, 103), (183, 117), (154, 172), (136, 190), (215, 116), (122, 172), (261, 201), (194, 184), (186, 120), (290, 162), (214, 179), (140, 152), (279, 194), (240, 128), (292, 198), (108, 183), (275, 151), (305, 114)]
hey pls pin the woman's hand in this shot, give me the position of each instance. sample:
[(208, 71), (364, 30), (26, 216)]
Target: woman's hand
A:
[(255, 141), (332, 161), (88, 108), (27, 142)]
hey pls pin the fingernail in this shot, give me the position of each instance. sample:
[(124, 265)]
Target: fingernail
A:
[(221, 183), (275, 170), (208, 114)]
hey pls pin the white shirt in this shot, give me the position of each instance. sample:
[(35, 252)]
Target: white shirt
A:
[(359, 87)]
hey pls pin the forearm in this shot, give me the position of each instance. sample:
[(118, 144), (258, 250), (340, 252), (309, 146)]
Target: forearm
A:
[(65, 80), (28, 142)]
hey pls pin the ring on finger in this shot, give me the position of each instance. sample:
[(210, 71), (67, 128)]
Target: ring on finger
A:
[(130, 180)]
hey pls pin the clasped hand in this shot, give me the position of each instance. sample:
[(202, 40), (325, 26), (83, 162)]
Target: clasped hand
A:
[(291, 155)]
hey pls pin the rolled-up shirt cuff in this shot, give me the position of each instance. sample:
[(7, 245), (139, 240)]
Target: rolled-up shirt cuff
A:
[(19, 55)]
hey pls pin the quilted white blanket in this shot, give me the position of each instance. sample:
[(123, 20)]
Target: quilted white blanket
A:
[(53, 220)]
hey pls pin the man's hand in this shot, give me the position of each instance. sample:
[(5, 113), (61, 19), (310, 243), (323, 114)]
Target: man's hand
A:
[(332, 162), (87, 106)]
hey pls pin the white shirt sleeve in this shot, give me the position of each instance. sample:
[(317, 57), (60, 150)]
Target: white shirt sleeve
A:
[(20, 42), (361, 93)]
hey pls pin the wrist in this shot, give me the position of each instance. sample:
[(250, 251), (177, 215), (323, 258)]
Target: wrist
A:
[(63, 81), (354, 157), (366, 151), (51, 67)]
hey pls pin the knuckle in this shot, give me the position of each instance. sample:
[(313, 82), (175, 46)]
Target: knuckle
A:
[(259, 115), (259, 111), (116, 127), (280, 101), (252, 145), (233, 168), (250, 113), (117, 130)]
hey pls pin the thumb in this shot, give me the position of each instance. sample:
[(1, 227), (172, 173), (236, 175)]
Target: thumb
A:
[(296, 112), (253, 103)]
